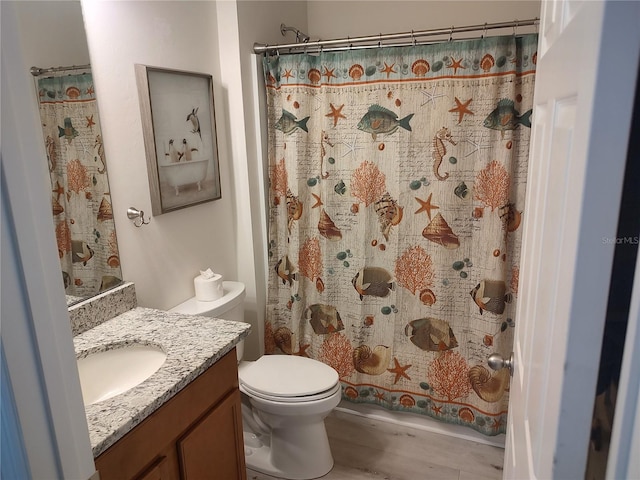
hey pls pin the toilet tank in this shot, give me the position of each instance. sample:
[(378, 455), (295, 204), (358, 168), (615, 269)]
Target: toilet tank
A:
[(228, 307)]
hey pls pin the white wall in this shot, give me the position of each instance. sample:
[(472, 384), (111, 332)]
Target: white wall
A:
[(339, 19), (161, 258), (52, 33)]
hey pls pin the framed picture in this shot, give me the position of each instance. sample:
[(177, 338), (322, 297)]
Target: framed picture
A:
[(179, 137)]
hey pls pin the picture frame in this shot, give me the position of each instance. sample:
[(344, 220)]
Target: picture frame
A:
[(179, 131)]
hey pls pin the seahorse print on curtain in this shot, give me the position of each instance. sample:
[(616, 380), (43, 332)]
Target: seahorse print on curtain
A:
[(397, 187)]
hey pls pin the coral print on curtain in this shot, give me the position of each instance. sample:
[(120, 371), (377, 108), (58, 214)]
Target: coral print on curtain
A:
[(81, 200), (397, 186)]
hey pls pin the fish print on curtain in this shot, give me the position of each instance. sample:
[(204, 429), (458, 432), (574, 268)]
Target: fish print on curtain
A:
[(397, 187), (81, 200)]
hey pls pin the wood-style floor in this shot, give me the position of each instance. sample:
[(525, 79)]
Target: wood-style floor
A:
[(369, 449)]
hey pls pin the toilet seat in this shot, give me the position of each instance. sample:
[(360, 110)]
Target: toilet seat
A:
[(288, 379), (280, 399)]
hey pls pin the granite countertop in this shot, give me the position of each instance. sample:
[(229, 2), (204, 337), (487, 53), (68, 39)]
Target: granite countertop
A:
[(192, 345)]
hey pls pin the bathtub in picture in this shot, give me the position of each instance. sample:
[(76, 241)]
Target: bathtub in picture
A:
[(184, 173)]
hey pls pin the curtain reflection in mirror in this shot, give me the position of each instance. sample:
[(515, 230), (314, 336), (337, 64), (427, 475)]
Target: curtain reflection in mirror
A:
[(81, 201)]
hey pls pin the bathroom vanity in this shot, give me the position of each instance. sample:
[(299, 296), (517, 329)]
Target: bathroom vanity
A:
[(197, 434), (184, 421)]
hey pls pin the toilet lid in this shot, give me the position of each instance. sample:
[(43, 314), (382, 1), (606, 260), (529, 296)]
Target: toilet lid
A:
[(288, 376), (305, 399)]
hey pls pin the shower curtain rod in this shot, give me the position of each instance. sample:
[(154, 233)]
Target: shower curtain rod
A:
[(376, 40), (37, 71)]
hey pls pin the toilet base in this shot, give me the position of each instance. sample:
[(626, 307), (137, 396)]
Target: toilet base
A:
[(303, 455)]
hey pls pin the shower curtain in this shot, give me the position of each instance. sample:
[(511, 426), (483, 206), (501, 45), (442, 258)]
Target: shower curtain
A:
[(81, 200), (397, 186)]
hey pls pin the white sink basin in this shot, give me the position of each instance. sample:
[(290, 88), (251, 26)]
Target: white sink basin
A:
[(111, 372)]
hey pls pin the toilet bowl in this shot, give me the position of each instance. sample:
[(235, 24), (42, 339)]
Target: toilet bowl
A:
[(284, 431), (285, 400)]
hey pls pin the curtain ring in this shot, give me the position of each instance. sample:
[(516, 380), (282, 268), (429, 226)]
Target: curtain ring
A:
[(451, 33), (484, 30), (380, 40), (515, 27), (413, 38)]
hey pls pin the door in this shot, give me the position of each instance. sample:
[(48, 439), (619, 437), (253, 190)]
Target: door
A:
[(586, 73)]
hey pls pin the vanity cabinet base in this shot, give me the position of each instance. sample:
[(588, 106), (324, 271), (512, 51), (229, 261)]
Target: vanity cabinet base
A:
[(195, 435)]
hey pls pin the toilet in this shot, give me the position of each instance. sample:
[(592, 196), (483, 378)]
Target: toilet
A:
[(285, 400)]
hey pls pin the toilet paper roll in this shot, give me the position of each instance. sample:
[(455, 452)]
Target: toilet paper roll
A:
[(208, 289)]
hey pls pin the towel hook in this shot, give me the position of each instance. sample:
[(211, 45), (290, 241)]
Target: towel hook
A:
[(135, 215)]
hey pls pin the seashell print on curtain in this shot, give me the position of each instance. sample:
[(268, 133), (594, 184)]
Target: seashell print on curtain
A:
[(81, 200), (397, 187)]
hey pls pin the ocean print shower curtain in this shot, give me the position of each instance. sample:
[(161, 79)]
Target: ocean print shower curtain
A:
[(397, 187), (81, 200)]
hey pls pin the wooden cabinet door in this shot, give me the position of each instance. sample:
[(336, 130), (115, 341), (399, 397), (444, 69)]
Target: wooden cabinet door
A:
[(160, 470), (214, 447)]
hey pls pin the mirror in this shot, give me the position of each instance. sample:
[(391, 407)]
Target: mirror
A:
[(67, 104)]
